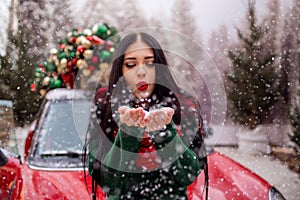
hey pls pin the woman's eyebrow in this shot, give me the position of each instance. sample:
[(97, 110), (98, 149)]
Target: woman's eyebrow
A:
[(134, 58), (148, 57), (130, 58)]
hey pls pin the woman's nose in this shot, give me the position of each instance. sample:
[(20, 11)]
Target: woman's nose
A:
[(141, 72)]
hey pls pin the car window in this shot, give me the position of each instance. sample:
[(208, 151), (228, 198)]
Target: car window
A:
[(63, 128)]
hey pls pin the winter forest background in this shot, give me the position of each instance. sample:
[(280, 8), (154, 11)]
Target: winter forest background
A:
[(264, 42)]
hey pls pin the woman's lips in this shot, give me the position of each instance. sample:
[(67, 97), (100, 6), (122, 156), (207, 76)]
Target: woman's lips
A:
[(142, 85)]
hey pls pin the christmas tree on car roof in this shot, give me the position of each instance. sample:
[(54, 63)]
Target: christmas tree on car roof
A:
[(79, 59)]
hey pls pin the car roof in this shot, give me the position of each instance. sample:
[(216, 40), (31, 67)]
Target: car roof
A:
[(6, 103), (67, 94)]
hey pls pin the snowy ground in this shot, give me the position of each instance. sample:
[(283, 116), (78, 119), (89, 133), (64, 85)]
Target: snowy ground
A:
[(275, 172)]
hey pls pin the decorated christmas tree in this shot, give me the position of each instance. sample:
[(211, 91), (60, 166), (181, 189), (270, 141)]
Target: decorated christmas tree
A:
[(84, 53)]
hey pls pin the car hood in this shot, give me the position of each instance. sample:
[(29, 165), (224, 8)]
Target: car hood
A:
[(41, 184), (229, 180)]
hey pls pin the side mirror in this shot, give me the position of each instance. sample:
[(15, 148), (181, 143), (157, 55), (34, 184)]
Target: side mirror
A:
[(29, 139), (3, 158)]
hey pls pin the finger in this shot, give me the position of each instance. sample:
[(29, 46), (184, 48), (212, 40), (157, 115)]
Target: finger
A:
[(170, 112), (122, 109), (169, 117), (147, 118), (151, 121), (125, 117), (130, 123), (142, 114), (142, 123), (134, 114), (153, 125), (159, 118), (149, 127)]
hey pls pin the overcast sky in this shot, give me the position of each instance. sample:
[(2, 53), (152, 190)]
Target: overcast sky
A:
[(210, 14)]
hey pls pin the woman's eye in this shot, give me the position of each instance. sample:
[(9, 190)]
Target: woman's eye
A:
[(129, 65), (151, 64)]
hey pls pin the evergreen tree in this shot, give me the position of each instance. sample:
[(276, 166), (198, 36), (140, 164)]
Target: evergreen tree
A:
[(61, 21), (6, 61), (295, 18), (123, 15), (290, 63), (253, 89), (5, 92), (38, 23), (272, 22), (188, 57), (219, 44), (183, 20), (30, 39), (186, 41), (295, 121)]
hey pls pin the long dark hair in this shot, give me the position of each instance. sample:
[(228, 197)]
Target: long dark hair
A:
[(104, 110), (162, 73)]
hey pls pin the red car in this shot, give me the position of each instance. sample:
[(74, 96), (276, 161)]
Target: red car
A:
[(53, 168)]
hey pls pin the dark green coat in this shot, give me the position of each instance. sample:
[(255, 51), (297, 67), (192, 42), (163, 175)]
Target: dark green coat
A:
[(122, 179)]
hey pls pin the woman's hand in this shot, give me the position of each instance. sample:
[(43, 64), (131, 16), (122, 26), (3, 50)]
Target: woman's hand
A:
[(132, 116), (153, 120), (158, 119)]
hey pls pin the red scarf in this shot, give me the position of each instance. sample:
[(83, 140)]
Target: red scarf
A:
[(147, 155)]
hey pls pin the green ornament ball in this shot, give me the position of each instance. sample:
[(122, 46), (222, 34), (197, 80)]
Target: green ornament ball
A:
[(101, 29), (55, 83), (72, 54), (62, 55), (105, 55), (38, 70), (51, 67)]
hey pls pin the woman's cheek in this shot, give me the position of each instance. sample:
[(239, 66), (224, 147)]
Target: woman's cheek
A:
[(129, 83)]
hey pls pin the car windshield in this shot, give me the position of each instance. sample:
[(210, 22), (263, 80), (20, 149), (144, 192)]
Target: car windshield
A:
[(62, 131)]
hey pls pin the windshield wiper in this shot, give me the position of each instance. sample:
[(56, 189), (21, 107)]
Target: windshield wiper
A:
[(70, 154)]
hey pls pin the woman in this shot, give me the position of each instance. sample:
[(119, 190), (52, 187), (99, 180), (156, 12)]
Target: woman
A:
[(147, 140)]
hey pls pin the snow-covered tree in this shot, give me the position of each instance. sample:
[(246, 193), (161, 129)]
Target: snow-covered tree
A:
[(272, 24), (290, 61), (182, 22), (295, 121), (32, 26), (295, 18), (61, 20), (7, 60), (253, 89), (273, 21), (122, 14), (219, 44), (31, 46), (186, 43)]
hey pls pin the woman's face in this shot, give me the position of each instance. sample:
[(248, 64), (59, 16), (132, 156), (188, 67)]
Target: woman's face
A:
[(139, 70)]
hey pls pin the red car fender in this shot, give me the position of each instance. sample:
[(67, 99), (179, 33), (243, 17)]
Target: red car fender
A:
[(229, 180), (10, 179)]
